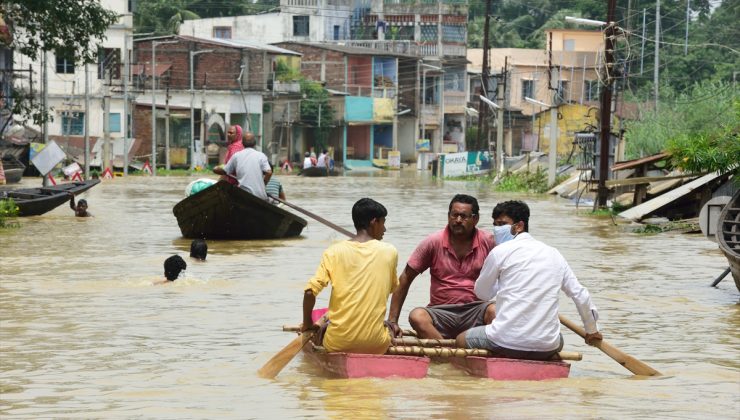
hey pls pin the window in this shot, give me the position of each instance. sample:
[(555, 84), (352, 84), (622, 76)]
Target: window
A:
[(569, 45), (455, 80), (114, 122), (336, 32), (65, 62), (429, 33), (109, 60), (591, 90), (563, 91), (300, 25), (222, 32), (431, 94), (453, 33), (527, 89), (73, 123)]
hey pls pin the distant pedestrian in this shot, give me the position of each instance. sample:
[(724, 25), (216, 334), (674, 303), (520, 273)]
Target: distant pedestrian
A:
[(198, 249), (307, 161)]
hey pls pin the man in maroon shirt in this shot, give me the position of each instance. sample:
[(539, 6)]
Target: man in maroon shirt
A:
[(455, 256)]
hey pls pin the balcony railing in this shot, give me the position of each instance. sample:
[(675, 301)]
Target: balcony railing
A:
[(407, 47), (301, 3)]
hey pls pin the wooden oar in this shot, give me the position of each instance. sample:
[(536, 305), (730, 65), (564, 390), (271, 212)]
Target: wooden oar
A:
[(308, 213), (295, 328), (633, 365), (315, 217), (273, 366)]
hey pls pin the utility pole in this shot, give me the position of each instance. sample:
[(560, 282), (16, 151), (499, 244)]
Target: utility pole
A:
[(553, 152), (686, 40), (485, 77), (606, 103), (87, 122), (106, 123), (125, 103), (167, 129), (656, 70), (500, 93), (45, 76), (642, 48)]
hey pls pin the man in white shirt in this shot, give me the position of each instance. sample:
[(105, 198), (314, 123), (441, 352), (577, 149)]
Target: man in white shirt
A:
[(249, 167), (525, 276), (307, 162), (323, 159)]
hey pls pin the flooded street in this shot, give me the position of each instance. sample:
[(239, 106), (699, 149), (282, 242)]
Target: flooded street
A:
[(84, 334)]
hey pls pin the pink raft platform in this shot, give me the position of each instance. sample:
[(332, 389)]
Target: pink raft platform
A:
[(512, 369), (356, 365)]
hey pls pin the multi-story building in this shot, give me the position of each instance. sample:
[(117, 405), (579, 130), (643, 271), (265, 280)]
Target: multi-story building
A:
[(566, 76), (66, 89), (374, 98), (197, 86), (294, 20), (435, 31)]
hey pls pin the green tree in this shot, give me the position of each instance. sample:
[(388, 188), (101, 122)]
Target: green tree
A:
[(165, 16), (316, 112), (699, 128), (75, 26)]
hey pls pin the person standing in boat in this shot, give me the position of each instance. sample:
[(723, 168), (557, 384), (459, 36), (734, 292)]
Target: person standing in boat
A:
[(323, 160), (526, 276), (250, 167), (362, 273), (234, 137), (307, 161), (454, 256)]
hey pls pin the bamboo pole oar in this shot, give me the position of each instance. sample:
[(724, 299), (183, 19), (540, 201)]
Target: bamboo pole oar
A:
[(273, 366), (453, 352), (633, 365), (295, 328), (315, 217), (460, 352)]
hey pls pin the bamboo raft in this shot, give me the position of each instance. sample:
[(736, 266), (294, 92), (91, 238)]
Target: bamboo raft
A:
[(409, 357)]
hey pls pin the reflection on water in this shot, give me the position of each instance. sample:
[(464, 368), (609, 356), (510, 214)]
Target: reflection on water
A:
[(84, 334)]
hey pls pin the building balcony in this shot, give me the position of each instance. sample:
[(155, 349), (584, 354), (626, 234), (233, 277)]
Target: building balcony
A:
[(425, 6), (408, 47), (455, 102), (430, 114)]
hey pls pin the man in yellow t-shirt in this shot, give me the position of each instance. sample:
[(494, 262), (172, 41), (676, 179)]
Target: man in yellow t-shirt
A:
[(362, 273)]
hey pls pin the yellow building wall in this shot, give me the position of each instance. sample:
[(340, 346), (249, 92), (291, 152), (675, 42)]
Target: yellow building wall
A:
[(572, 119), (584, 40)]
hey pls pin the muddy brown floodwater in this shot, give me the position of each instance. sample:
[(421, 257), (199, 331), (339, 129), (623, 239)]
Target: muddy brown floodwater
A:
[(84, 334)]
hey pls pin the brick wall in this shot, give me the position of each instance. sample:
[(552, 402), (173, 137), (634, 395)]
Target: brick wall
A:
[(216, 70)]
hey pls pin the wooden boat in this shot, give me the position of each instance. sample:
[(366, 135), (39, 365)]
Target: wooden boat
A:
[(512, 369), (13, 169), (37, 201), (315, 171), (355, 365), (224, 211), (728, 235)]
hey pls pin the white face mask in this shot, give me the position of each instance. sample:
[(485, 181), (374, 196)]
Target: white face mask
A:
[(502, 234)]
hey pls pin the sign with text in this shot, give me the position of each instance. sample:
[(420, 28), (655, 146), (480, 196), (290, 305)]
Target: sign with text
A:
[(394, 159), (465, 163), (48, 157)]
